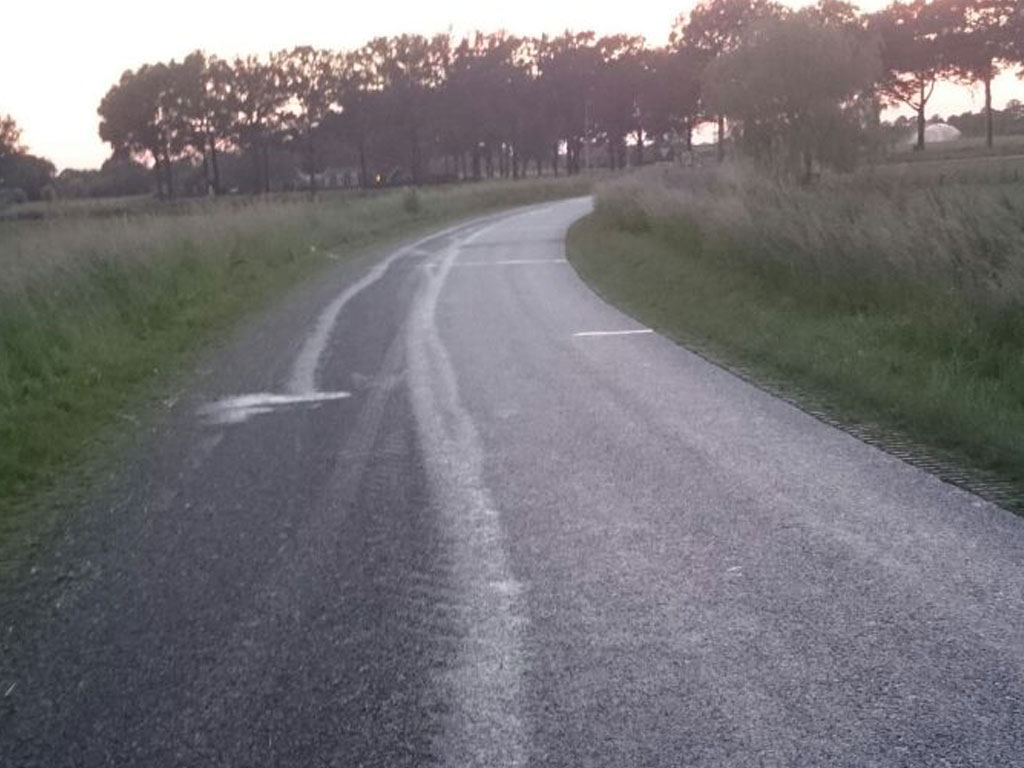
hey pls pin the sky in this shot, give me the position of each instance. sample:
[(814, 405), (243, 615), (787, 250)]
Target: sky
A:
[(60, 57)]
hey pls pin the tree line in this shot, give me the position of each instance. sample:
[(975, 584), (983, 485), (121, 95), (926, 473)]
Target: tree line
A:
[(796, 88)]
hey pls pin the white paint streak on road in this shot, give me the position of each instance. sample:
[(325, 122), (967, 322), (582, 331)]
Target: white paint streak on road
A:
[(583, 334), (485, 727), (508, 262), (302, 384), (303, 380), (234, 410)]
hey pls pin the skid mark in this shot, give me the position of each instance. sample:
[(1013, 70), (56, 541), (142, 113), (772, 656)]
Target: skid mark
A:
[(303, 379), (485, 726)]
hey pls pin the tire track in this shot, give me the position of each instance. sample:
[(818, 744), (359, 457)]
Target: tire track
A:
[(486, 724)]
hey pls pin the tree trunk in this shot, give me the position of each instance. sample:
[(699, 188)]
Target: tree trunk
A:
[(554, 159), (257, 169), (639, 146), (158, 174), (169, 173), (414, 140), (988, 111), (721, 138), (689, 135), (266, 168), (206, 172), (364, 178), (920, 121), (808, 166), (311, 160), (215, 164)]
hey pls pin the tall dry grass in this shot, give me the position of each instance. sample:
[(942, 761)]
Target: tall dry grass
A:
[(853, 242)]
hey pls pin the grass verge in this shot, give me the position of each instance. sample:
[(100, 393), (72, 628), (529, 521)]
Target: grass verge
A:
[(893, 308), (96, 312)]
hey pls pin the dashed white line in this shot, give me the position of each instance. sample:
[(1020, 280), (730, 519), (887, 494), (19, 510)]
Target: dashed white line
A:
[(612, 333)]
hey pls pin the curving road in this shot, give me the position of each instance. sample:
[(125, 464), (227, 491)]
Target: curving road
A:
[(447, 507)]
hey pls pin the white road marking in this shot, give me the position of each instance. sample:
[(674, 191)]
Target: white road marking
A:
[(234, 410), (612, 333), (507, 262)]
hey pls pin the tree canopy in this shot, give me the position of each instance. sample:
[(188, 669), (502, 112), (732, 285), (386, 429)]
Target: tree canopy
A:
[(793, 86), (782, 84)]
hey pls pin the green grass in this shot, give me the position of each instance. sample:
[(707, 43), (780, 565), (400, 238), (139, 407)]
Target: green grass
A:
[(894, 305), (96, 314)]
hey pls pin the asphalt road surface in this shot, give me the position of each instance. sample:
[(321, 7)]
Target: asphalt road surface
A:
[(450, 508)]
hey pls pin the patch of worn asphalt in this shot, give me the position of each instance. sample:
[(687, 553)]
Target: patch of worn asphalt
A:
[(471, 524)]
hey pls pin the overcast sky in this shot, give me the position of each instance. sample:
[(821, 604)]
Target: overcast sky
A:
[(58, 58)]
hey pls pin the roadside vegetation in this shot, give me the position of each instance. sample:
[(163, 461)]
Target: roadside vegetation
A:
[(97, 313), (890, 302)]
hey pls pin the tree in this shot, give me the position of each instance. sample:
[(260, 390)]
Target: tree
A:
[(619, 90), (568, 66), (206, 106), (20, 170), (673, 92), (485, 84), (716, 27), (1015, 46), (117, 177), (914, 38), (835, 13), (10, 136), (309, 77), (793, 85), (979, 36), (409, 72), (358, 97), (257, 96), (140, 118)]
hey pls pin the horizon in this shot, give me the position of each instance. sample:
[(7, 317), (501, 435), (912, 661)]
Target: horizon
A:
[(66, 130)]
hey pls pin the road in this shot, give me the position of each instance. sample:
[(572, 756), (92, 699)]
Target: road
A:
[(450, 508)]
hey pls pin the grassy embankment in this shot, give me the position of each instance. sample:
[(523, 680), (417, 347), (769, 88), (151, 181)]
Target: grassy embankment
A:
[(97, 311), (890, 302)]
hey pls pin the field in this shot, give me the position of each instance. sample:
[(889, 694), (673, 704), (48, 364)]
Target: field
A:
[(101, 304), (966, 148), (889, 301)]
